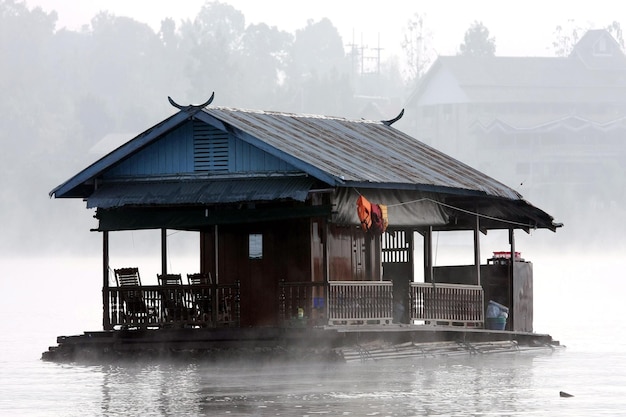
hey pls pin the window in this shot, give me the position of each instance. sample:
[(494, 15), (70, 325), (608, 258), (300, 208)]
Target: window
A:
[(255, 246)]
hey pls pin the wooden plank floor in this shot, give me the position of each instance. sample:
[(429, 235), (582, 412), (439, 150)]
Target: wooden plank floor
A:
[(324, 342)]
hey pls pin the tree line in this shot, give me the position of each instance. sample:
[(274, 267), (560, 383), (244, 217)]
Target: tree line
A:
[(63, 90)]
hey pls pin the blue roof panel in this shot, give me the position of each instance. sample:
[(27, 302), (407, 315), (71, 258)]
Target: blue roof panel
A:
[(205, 192)]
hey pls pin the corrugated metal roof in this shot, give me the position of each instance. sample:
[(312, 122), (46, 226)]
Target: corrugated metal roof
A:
[(357, 152), (200, 192), (336, 151)]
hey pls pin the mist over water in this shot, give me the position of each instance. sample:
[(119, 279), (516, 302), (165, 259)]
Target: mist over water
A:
[(577, 301)]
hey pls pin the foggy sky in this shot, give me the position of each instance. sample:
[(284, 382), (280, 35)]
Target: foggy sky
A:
[(59, 101), (521, 28)]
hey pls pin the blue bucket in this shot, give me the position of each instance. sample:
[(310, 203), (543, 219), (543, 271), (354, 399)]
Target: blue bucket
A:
[(496, 323)]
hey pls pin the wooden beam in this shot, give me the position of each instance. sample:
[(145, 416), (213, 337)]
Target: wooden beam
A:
[(511, 320), (216, 247), (428, 255), (106, 319), (477, 249), (326, 268)]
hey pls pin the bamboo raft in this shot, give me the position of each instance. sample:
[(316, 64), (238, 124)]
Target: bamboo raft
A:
[(375, 352)]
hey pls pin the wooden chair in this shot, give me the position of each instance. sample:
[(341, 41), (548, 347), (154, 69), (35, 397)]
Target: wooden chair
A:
[(174, 304), (202, 299), (170, 279), (135, 311), (200, 279)]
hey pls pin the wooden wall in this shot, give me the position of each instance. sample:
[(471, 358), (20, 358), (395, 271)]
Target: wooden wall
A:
[(495, 279), (353, 254), (286, 256)]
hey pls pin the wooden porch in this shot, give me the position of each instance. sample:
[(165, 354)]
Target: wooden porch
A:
[(299, 304)]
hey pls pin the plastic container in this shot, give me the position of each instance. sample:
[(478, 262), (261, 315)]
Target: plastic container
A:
[(495, 310), (496, 316), (496, 323)]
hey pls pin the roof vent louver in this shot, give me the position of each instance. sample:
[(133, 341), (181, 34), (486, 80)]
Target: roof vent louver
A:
[(210, 148)]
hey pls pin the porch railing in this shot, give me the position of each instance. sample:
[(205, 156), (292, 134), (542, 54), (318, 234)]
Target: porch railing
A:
[(360, 302), (447, 304), (363, 302), (300, 303), (145, 306)]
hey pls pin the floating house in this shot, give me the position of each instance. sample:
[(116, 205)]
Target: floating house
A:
[(307, 229)]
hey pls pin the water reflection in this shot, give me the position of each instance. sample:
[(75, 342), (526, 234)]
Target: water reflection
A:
[(500, 384), (150, 389)]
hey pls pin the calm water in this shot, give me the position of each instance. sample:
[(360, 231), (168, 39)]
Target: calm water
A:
[(573, 304)]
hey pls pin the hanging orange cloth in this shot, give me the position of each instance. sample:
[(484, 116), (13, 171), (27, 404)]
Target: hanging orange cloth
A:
[(385, 216), (377, 220), (364, 211)]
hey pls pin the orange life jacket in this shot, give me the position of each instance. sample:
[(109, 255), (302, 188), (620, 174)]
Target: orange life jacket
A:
[(379, 218), (364, 211)]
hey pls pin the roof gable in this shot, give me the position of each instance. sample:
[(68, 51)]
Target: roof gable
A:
[(178, 146), (597, 49), (443, 87), (195, 147)]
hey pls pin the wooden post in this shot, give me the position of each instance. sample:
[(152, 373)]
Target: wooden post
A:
[(326, 271), (477, 249), (216, 242), (428, 255), (411, 238), (511, 321), (163, 251), (106, 318)]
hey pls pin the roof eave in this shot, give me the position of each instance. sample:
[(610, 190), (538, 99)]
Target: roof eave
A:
[(88, 174)]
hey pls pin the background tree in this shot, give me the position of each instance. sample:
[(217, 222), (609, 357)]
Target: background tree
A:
[(477, 41), (565, 37), (317, 77), (615, 29), (265, 49), (123, 64), (212, 46), (416, 47)]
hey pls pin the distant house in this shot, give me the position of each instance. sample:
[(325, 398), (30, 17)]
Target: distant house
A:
[(302, 220), (549, 123)]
